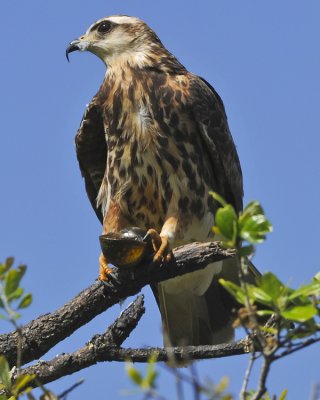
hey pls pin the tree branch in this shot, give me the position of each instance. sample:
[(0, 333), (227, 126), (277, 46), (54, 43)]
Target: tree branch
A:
[(262, 388), (100, 350), (303, 344), (65, 393), (245, 382), (90, 354), (41, 334)]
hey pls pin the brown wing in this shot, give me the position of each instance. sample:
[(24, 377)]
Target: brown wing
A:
[(91, 148), (210, 115)]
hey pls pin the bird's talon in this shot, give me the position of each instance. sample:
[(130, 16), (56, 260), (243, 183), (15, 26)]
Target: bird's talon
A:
[(155, 238), (107, 284), (157, 259), (105, 270), (113, 277), (160, 246)]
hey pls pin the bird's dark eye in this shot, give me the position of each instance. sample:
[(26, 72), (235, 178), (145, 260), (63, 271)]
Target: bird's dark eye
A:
[(104, 27)]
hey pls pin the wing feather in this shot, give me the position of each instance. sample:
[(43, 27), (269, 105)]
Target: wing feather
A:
[(210, 115), (91, 148)]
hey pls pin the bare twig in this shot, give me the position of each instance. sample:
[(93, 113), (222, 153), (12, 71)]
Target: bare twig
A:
[(195, 381), (247, 376), (179, 385), (64, 394), (299, 346), (192, 380), (263, 378)]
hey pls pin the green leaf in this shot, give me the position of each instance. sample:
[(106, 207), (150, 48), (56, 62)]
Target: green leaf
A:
[(5, 377), (254, 228), (317, 277), (226, 221), (26, 301), (150, 378), (300, 313), (235, 291), (7, 265), (134, 374), (21, 382), (283, 395), (313, 289), (13, 279), (260, 295), (222, 386), (3, 396), (270, 284), (253, 208), (152, 359), (264, 313), (218, 198), (16, 294), (269, 329), (16, 316)]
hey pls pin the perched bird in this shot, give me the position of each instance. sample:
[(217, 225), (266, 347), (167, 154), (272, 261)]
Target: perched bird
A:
[(152, 143)]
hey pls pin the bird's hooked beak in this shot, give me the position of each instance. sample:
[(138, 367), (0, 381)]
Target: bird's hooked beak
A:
[(75, 45)]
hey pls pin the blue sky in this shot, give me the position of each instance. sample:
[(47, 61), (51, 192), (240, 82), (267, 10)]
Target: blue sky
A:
[(262, 57)]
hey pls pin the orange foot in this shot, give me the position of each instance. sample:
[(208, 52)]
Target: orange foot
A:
[(161, 246), (105, 270)]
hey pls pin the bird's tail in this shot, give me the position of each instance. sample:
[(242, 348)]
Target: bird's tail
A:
[(196, 309)]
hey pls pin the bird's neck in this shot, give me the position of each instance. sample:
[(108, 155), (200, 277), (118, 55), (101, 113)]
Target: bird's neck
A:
[(146, 58)]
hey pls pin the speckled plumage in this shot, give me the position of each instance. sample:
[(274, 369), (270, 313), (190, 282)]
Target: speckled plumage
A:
[(152, 143), (158, 155)]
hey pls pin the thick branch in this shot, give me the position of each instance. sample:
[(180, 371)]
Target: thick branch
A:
[(90, 354), (41, 334)]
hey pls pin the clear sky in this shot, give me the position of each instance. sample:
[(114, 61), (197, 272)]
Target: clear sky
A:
[(262, 57)]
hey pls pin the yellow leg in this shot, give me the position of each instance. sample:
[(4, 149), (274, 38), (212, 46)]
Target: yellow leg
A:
[(105, 270), (160, 245)]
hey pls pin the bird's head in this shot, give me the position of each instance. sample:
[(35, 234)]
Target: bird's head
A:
[(117, 38)]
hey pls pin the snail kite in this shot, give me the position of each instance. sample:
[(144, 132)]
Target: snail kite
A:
[(152, 143)]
